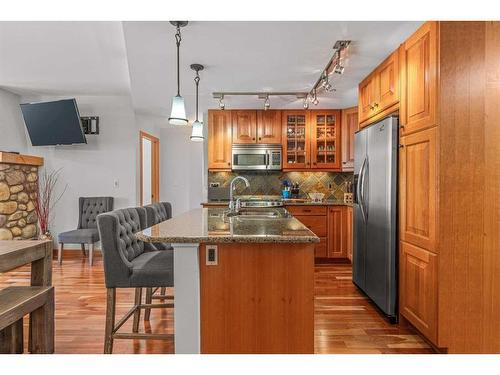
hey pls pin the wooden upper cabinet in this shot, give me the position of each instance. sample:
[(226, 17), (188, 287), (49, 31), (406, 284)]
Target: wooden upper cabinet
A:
[(325, 139), (418, 283), (244, 126), (419, 79), (349, 125), (219, 139), (379, 92), (367, 96), (295, 139), (269, 126), (337, 232), (388, 83), (418, 189)]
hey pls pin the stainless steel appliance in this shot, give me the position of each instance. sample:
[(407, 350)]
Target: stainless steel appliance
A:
[(256, 157), (375, 208)]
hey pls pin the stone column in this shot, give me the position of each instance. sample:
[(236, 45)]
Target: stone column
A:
[(18, 193)]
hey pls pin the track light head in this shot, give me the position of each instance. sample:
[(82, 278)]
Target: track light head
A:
[(267, 103), (222, 105), (306, 103), (339, 69)]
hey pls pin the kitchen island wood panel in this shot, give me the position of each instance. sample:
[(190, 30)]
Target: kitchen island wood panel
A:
[(259, 298)]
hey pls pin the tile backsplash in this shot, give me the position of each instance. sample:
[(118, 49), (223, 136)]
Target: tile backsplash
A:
[(332, 184)]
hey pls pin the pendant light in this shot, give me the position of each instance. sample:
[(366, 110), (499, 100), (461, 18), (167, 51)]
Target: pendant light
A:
[(178, 114), (197, 133)]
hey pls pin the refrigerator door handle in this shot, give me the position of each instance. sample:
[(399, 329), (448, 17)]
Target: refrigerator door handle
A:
[(365, 207), (360, 189)]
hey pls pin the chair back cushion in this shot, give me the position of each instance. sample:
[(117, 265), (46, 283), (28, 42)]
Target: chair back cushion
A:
[(90, 207), (118, 242), (158, 212)]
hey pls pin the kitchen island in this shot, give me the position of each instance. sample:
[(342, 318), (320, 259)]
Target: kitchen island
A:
[(243, 284)]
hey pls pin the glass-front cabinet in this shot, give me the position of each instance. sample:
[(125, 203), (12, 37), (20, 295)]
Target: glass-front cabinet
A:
[(296, 144), (325, 139)]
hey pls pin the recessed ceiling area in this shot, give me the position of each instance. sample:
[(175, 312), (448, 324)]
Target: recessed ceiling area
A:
[(138, 59)]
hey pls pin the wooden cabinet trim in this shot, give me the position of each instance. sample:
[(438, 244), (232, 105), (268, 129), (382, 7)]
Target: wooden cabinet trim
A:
[(219, 140), (349, 125)]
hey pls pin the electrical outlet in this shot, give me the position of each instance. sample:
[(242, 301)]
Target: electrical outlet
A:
[(214, 184), (211, 255)]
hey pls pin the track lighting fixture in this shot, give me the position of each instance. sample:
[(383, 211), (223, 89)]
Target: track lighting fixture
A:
[(335, 64)]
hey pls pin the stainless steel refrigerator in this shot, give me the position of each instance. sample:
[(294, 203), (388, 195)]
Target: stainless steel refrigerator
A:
[(374, 263)]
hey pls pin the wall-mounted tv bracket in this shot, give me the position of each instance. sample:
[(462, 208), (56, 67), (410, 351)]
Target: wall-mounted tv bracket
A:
[(90, 124)]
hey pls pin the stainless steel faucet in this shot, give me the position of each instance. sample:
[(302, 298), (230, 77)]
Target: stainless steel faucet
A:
[(235, 207)]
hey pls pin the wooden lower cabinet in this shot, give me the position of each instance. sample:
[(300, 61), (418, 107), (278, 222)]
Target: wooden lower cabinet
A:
[(331, 224), (337, 232), (418, 269), (257, 299)]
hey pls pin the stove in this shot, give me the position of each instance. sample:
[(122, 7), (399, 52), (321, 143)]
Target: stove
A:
[(261, 201)]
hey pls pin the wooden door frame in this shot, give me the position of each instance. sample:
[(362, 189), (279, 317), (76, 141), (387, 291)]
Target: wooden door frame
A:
[(155, 168)]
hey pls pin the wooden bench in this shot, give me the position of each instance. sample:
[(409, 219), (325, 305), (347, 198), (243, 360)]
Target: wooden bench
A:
[(19, 301), (36, 300)]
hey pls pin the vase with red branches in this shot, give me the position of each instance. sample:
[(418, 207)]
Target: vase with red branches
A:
[(47, 199)]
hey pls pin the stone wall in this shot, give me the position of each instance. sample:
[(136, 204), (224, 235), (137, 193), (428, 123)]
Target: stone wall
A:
[(18, 193)]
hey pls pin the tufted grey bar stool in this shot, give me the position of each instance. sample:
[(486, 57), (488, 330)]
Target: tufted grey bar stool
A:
[(86, 232), (130, 263), (156, 213)]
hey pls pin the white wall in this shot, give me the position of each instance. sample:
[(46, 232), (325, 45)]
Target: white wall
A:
[(12, 129), (92, 169), (181, 169)]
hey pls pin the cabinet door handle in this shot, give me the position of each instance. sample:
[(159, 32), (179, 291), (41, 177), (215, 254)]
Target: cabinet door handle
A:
[(228, 163), (253, 139), (376, 104), (260, 139)]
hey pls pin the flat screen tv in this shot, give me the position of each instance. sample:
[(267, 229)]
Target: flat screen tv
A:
[(53, 123)]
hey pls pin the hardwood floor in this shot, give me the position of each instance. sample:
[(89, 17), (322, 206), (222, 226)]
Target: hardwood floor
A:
[(345, 320)]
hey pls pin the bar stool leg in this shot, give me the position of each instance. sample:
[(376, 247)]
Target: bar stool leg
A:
[(110, 320), (137, 313), (59, 252), (149, 300)]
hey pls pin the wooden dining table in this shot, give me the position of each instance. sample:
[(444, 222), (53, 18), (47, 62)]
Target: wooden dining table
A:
[(37, 253)]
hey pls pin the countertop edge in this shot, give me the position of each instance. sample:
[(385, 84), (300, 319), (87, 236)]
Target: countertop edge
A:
[(232, 239)]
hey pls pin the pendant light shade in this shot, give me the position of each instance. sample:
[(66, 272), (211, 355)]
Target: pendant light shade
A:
[(197, 133), (178, 113)]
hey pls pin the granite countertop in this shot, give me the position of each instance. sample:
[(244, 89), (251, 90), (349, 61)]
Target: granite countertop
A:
[(210, 225)]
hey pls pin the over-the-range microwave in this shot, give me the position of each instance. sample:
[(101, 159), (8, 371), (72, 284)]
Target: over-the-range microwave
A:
[(256, 157)]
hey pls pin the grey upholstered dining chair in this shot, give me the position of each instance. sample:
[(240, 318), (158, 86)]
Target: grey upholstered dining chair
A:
[(156, 213), (131, 263), (86, 232)]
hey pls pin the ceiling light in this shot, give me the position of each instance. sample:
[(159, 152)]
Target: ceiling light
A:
[(178, 113), (222, 105), (339, 69), (197, 133), (315, 100), (306, 103), (267, 103)]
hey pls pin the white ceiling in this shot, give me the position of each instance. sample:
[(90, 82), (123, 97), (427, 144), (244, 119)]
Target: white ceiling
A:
[(138, 58)]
